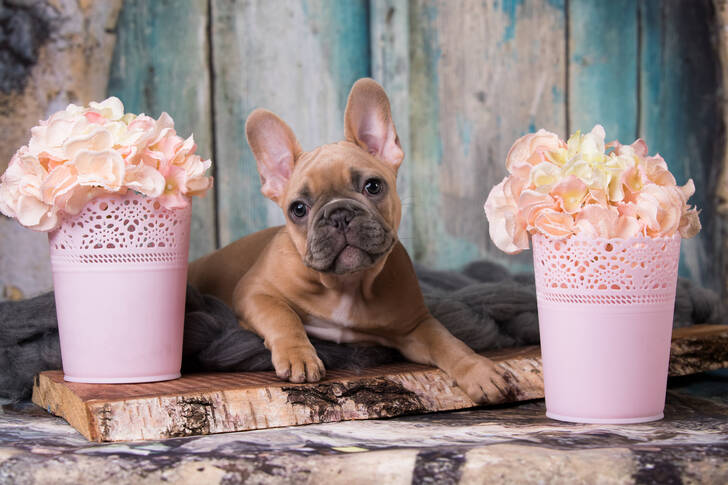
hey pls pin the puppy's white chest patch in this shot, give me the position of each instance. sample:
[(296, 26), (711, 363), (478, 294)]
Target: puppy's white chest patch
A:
[(338, 327), (342, 313), (324, 331)]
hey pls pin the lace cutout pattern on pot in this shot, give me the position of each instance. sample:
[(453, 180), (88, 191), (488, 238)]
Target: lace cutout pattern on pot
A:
[(606, 271), (122, 229)]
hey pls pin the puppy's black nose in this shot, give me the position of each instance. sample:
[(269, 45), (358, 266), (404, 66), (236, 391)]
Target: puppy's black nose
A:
[(340, 218)]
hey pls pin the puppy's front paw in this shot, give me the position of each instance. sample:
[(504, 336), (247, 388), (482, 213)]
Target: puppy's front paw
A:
[(484, 382), (298, 364)]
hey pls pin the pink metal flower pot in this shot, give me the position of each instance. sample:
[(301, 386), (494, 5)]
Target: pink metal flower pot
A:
[(119, 275), (605, 309)]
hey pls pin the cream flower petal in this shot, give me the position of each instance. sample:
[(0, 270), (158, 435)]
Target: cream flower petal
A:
[(111, 108), (98, 140), (597, 221), (31, 211), (105, 169), (145, 179), (198, 185), (531, 202), (8, 199), (59, 182), (524, 147), (687, 190), (554, 224), (508, 234), (80, 197), (174, 200), (627, 227), (570, 193), (545, 173)]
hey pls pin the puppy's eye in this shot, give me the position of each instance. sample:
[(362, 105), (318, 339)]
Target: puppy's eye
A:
[(298, 210), (373, 186)]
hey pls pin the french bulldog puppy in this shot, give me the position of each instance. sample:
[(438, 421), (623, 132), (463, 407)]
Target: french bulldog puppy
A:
[(336, 270)]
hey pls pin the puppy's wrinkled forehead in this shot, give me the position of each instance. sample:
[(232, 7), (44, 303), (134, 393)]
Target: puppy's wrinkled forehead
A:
[(333, 169)]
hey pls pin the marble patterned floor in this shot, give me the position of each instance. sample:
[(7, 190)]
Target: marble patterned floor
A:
[(508, 444)]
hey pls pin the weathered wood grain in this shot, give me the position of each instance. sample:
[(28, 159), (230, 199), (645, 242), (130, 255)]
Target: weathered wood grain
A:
[(481, 75), (603, 76), (721, 221), (698, 348), (295, 58), (681, 118), (54, 53), (517, 444), (161, 63), (221, 402), (389, 34)]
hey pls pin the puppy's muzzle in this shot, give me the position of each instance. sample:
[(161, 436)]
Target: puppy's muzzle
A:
[(346, 236)]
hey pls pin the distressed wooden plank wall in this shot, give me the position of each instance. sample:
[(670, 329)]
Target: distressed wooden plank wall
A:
[(481, 75), (465, 80), (681, 115), (296, 58), (161, 63)]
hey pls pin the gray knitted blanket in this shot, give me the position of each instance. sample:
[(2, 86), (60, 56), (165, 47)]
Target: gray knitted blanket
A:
[(483, 305)]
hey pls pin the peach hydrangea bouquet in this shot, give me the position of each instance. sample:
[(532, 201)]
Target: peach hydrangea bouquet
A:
[(587, 188), (84, 152)]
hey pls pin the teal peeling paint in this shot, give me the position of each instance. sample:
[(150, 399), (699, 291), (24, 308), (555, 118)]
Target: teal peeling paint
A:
[(465, 129), (455, 253), (509, 7), (425, 139), (343, 28), (557, 95), (557, 4), (603, 67), (432, 55)]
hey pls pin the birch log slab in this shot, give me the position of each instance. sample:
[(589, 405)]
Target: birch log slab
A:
[(222, 402), (481, 75), (161, 63), (53, 52), (296, 58)]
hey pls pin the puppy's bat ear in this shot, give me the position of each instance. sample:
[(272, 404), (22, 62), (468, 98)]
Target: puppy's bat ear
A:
[(275, 149), (368, 122)]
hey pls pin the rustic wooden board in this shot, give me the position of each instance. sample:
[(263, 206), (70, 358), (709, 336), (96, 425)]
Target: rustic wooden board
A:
[(603, 53), (161, 63), (682, 118), (223, 402), (481, 75), (389, 36), (296, 58)]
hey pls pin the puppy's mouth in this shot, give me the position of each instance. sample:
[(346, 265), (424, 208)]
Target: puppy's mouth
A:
[(352, 259), (348, 259)]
